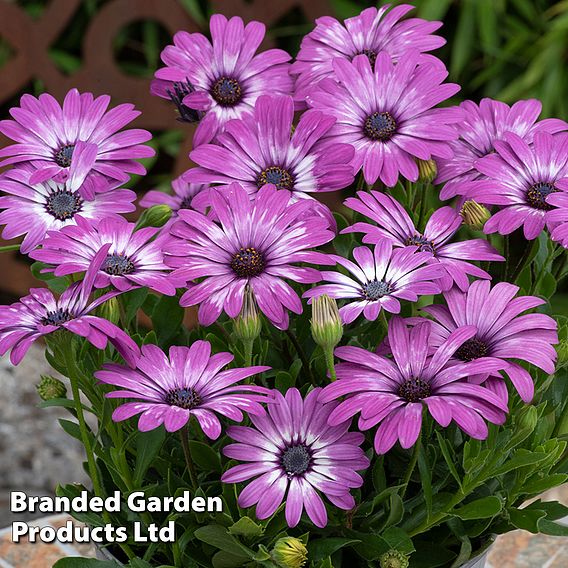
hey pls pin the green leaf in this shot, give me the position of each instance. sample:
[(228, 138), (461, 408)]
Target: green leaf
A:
[(448, 458), (284, 381), (224, 559), (398, 539), (396, 510), (205, 456), (246, 528), (148, 445), (54, 283), (479, 509), (323, 547), (218, 536), (521, 458), (430, 555), (537, 486), (132, 302), (526, 519), (551, 528), (167, 318), (78, 562)]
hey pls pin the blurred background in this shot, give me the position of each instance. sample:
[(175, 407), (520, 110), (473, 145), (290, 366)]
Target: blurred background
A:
[(506, 49)]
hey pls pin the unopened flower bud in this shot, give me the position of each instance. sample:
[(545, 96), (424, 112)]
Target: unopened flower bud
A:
[(474, 215), (393, 559), (50, 388), (110, 310), (155, 216), (427, 170), (247, 324), (289, 552), (562, 350), (527, 418), (327, 328)]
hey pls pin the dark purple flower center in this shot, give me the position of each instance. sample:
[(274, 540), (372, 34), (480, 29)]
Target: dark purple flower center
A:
[(63, 204), (413, 390), (277, 176), (117, 264), (186, 203), (182, 89), (248, 262), (379, 126), (371, 56), (227, 91), (423, 244), (64, 155), (183, 398), (57, 317), (472, 349), (537, 194), (376, 289), (296, 460)]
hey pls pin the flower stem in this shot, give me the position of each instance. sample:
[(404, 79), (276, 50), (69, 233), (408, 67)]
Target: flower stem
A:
[(411, 466), (184, 435), (330, 363), (70, 365), (301, 355), (521, 264), (9, 248), (248, 346), (423, 187), (67, 348)]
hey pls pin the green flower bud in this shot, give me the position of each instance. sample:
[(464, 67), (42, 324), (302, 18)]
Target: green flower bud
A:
[(247, 324), (393, 559), (527, 418), (327, 328), (289, 552), (474, 215), (50, 388), (155, 216), (110, 310), (427, 170)]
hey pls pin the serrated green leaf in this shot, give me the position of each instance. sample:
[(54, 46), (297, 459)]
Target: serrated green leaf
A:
[(246, 528)]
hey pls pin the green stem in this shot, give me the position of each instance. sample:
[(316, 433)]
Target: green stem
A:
[(422, 205), (9, 248), (521, 264), (506, 254), (248, 345), (73, 372), (411, 466), (184, 435), (70, 365), (301, 355), (330, 363)]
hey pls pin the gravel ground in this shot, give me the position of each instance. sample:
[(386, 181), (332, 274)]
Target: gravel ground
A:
[(35, 453)]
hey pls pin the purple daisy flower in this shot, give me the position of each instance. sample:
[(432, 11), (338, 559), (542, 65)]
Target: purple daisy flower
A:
[(262, 149), (75, 140), (387, 114), (190, 382), (40, 313), (558, 216), (519, 178), (381, 279), (221, 78), (371, 32), (34, 209), (502, 332), (182, 197), (393, 392), (134, 259), (394, 224), (254, 243), (294, 455), (481, 126)]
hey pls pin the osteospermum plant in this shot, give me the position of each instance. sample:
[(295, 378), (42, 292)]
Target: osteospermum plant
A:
[(378, 383)]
